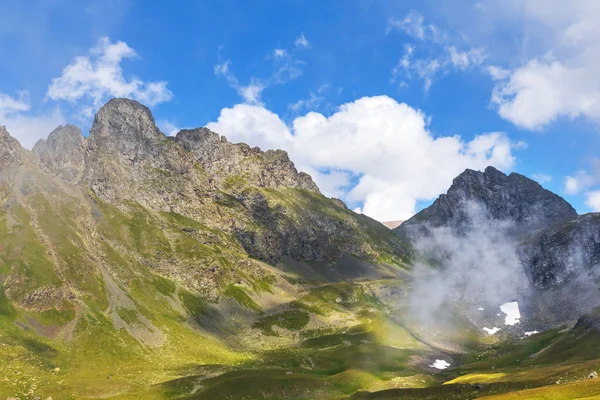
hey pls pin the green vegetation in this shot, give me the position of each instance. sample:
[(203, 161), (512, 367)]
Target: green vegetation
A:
[(240, 295), (293, 320), (115, 301)]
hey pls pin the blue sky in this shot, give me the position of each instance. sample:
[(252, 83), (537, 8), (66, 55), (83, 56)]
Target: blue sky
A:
[(383, 102)]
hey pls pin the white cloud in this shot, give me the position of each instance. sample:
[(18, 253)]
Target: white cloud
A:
[(466, 59), (559, 76), (24, 126), (254, 125), (286, 68), (251, 93), (413, 24), (583, 180), (592, 200), (439, 54), (542, 178), (278, 53), (98, 76), (9, 104), (313, 102), (301, 42), (377, 142)]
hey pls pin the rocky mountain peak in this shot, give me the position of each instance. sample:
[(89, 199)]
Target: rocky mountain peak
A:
[(63, 153), (11, 151), (219, 157), (511, 197), (126, 152), (125, 126)]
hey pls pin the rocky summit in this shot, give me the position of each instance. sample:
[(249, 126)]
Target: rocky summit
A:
[(139, 266), (515, 198)]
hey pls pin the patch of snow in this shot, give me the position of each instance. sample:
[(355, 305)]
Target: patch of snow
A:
[(513, 315), (480, 309), (491, 331), (499, 315), (440, 364), (531, 333)]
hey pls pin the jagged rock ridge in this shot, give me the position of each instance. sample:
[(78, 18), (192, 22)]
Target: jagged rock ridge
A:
[(222, 185), (563, 251), (559, 250), (513, 197), (221, 159), (11, 152), (63, 153)]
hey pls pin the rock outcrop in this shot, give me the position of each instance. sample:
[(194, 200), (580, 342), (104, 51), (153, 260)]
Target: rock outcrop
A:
[(63, 153), (558, 250), (11, 152), (128, 158), (513, 198), (562, 251), (222, 159), (271, 209)]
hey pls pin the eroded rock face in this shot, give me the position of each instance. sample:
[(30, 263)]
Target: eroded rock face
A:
[(222, 185), (129, 158), (11, 152), (513, 198), (63, 153), (221, 159), (562, 251)]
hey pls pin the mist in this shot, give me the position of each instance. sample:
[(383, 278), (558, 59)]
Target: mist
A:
[(472, 263)]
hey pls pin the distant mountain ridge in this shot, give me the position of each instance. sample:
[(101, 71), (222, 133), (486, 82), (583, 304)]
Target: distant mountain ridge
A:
[(559, 250), (511, 197)]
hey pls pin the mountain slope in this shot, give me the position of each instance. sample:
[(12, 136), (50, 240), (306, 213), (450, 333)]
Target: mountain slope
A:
[(125, 255), (133, 265)]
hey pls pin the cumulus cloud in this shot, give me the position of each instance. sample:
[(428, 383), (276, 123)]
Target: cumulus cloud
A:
[(22, 124), (592, 200), (95, 77), (583, 179), (438, 55), (559, 77), (373, 151)]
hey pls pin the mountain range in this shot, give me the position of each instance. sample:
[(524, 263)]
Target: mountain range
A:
[(136, 265)]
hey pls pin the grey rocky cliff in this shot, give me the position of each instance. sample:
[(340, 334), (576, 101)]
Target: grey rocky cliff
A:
[(220, 158), (63, 153), (11, 152), (558, 250), (562, 252), (258, 197), (513, 198), (128, 158)]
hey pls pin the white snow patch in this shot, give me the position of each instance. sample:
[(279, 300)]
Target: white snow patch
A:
[(491, 331), (531, 333), (480, 309), (440, 364), (513, 315)]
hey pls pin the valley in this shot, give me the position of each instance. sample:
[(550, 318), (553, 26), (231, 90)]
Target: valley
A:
[(135, 265)]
